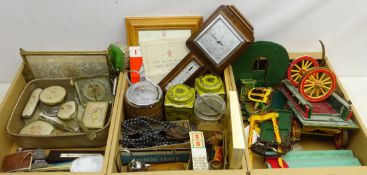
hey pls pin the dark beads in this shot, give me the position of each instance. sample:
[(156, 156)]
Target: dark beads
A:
[(147, 135)]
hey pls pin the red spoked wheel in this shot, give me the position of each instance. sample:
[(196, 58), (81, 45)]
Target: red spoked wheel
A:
[(299, 67), (317, 84)]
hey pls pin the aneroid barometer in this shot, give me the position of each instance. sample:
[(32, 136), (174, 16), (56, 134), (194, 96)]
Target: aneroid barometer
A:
[(223, 36)]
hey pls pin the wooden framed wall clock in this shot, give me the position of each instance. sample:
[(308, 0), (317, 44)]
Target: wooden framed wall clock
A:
[(218, 42), (224, 35)]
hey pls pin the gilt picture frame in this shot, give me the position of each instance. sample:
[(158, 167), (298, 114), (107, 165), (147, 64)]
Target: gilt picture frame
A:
[(162, 41)]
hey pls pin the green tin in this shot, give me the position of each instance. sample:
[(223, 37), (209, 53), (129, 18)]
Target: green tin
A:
[(209, 83), (179, 103)]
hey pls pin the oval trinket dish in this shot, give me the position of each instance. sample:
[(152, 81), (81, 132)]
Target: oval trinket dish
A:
[(53, 95), (37, 128)]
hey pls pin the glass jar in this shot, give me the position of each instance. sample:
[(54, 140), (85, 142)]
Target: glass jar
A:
[(209, 109)]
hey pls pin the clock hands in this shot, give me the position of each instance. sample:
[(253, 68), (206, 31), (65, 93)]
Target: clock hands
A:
[(218, 41)]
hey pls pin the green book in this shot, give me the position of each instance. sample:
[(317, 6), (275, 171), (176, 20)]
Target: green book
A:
[(157, 156)]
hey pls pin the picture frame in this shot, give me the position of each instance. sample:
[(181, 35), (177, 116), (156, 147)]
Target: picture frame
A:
[(162, 40), (65, 64)]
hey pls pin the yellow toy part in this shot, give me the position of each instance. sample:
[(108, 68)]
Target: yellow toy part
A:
[(255, 120), (260, 94)]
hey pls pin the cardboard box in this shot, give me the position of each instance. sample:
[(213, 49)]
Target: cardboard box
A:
[(357, 143), (8, 103), (232, 125)]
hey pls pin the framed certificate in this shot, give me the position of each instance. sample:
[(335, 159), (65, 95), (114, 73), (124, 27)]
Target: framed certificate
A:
[(162, 41)]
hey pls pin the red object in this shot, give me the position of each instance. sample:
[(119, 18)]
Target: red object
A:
[(136, 61), (307, 112), (300, 68), (323, 107), (273, 162), (349, 115), (218, 157), (314, 73)]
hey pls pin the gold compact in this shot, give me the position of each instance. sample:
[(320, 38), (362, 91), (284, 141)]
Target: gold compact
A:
[(95, 115)]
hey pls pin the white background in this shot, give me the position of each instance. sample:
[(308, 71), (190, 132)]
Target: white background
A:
[(94, 24)]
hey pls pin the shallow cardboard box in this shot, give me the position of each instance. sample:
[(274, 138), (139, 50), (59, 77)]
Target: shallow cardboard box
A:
[(357, 143), (7, 145), (232, 123)]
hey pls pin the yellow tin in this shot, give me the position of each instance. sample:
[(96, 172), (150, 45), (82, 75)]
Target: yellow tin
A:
[(179, 103), (209, 83)]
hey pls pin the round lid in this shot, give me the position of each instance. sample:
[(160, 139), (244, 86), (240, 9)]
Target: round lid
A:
[(53, 95), (209, 83), (94, 90), (180, 93), (144, 94), (209, 107)]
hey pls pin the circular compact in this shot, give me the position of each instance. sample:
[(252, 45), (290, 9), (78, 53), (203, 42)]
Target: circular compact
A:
[(53, 95), (94, 91), (37, 128), (144, 98), (209, 108)]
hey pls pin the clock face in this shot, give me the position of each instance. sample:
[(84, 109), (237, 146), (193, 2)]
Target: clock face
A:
[(219, 39)]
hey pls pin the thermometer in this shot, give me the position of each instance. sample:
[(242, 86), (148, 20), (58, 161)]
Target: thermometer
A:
[(186, 70)]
